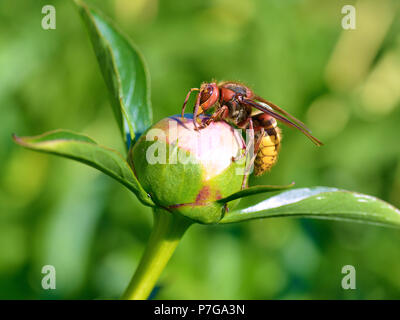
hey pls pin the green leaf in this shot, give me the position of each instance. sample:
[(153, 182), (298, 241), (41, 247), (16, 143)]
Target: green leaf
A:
[(320, 203), (124, 72), (254, 190), (81, 148)]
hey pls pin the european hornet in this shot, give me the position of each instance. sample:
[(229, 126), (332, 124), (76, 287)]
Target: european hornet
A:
[(235, 103)]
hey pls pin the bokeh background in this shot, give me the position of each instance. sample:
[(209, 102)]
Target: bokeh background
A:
[(345, 84)]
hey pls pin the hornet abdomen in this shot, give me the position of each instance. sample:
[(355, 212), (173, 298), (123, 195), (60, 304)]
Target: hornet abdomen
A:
[(267, 154)]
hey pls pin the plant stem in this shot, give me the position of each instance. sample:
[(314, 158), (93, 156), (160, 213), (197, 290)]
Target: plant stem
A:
[(168, 230)]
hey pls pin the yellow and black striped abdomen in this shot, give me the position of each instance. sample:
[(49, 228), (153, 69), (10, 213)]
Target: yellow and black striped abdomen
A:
[(267, 154)]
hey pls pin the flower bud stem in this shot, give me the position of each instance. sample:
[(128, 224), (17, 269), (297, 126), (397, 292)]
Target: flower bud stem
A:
[(168, 230)]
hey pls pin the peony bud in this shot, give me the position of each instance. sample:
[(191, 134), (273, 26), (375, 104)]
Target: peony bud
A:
[(186, 171)]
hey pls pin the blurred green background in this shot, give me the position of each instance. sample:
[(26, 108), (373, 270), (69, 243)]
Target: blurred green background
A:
[(345, 84)]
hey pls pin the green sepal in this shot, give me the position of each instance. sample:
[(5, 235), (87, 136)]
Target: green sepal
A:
[(320, 203), (253, 191), (124, 72), (82, 148)]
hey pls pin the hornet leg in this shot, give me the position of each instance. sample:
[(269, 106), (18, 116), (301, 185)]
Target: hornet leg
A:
[(187, 98)]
